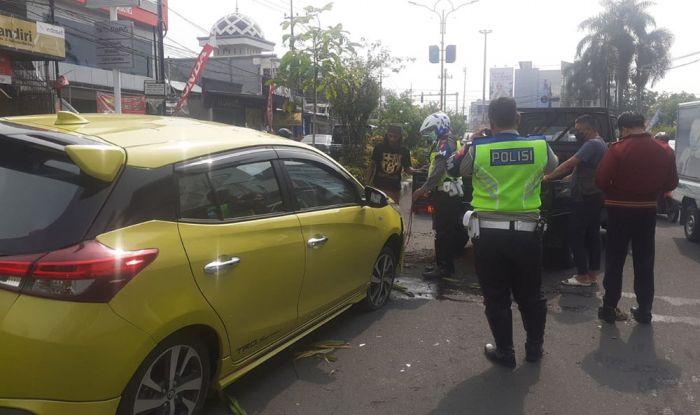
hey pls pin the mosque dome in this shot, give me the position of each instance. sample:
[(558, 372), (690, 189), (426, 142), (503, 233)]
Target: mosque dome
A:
[(237, 24)]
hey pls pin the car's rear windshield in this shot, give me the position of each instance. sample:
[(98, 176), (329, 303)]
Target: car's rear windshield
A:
[(559, 126), (46, 202)]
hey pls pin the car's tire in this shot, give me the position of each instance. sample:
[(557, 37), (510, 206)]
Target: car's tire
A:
[(152, 384), (673, 213), (381, 281), (692, 224)]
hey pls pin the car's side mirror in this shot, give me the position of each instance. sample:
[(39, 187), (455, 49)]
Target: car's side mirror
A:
[(375, 198)]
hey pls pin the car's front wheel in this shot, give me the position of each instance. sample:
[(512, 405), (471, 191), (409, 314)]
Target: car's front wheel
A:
[(382, 280), (173, 379)]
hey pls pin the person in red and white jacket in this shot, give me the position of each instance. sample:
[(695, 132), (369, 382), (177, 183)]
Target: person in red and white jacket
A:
[(633, 174)]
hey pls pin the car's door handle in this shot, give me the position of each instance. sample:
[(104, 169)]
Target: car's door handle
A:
[(317, 241), (221, 264)]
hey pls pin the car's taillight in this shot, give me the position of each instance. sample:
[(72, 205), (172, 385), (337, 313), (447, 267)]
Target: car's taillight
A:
[(13, 269), (88, 272)]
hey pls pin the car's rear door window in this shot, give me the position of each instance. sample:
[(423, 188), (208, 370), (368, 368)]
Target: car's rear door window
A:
[(46, 202)]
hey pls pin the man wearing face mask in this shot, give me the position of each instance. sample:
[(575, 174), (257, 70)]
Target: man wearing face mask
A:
[(584, 221)]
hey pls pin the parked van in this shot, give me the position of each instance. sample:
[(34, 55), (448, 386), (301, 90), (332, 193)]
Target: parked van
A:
[(687, 194)]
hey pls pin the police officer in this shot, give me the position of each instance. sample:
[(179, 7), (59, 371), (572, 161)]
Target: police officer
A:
[(447, 196), (506, 172)]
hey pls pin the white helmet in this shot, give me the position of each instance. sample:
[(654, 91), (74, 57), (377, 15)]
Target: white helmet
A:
[(438, 121)]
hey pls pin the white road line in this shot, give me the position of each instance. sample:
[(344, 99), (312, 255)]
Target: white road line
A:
[(676, 301)]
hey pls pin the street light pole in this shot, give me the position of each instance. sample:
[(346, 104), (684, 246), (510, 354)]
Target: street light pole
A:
[(483, 90), (443, 28)]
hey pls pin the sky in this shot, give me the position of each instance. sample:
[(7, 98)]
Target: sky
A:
[(542, 31)]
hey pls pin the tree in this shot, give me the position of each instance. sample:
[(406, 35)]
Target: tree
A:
[(667, 105), (619, 48), (353, 95), (651, 60), (316, 54)]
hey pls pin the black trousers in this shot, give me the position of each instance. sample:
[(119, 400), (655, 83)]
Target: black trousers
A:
[(449, 232), (510, 263), (639, 227), (584, 233)]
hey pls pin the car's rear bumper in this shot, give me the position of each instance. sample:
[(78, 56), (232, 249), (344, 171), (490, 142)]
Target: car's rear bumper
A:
[(65, 351), (44, 407)]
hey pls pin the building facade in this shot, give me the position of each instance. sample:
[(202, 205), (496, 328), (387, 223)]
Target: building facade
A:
[(88, 81), (537, 88)]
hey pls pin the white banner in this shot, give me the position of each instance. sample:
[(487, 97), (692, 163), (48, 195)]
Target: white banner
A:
[(501, 83)]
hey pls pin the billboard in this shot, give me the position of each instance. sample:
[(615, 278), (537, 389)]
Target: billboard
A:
[(501, 83), (34, 38), (147, 13)]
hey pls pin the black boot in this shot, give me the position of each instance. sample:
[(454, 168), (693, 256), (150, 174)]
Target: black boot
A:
[(534, 320), (642, 316), (533, 352), (502, 357)]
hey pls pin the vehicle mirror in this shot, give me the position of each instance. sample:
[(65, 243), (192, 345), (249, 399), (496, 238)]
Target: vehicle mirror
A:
[(375, 198)]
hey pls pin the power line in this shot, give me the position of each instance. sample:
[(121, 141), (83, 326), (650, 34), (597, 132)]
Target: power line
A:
[(684, 64), (686, 56), (193, 24)]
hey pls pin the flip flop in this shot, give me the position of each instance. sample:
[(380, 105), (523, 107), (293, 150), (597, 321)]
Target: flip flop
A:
[(573, 282)]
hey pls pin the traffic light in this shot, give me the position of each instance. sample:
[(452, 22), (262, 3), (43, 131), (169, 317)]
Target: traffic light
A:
[(450, 53), (434, 54), (421, 97)]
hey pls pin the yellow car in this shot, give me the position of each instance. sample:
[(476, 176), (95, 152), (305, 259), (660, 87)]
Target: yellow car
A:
[(144, 260)]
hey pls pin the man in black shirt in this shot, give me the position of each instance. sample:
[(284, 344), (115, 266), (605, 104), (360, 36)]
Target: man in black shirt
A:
[(389, 159)]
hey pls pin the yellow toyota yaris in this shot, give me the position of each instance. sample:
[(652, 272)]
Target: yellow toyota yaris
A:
[(144, 260)]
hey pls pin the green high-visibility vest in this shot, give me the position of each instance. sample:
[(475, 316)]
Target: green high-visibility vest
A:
[(508, 172), (433, 153)]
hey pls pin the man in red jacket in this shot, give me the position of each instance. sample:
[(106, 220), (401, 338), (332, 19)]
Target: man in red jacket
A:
[(633, 174)]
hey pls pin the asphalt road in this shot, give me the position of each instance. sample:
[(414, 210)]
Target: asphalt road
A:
[(422, 354)]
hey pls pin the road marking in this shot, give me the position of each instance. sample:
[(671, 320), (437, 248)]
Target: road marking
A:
[(693, 321), (676, 301)]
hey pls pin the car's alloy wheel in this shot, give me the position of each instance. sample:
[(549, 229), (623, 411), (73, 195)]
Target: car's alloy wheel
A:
[(382, 281), (691, 224), (173, 380)]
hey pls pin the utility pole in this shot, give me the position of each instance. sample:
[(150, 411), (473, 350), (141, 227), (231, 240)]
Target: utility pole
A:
[(464, 91), (113, 17), (161, 50), (291, 24), (52, 11), (443, 28), (483, 90)]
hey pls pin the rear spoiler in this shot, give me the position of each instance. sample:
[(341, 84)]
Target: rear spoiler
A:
[(98, 160)]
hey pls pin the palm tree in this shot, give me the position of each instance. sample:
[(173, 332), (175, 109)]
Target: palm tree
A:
[(652, 60), (613, 46)]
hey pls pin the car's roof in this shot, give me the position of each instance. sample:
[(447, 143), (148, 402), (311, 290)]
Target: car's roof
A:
[(154, 141)]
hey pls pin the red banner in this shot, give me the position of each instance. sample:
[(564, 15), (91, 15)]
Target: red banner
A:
[(5, 69), (199, 65), (141, 14), (131, 104)]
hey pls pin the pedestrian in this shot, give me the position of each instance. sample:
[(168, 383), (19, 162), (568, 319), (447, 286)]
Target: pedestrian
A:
[(389, 159), (587, 201), (447, 194), (506, 172), (633, 174)]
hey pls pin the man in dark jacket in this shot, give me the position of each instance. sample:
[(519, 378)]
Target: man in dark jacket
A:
[(633, 174)]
